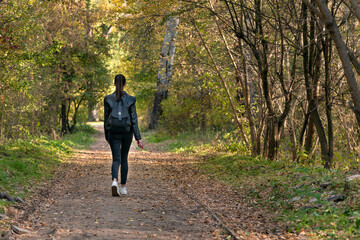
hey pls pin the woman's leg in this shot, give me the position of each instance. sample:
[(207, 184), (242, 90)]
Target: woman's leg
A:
[(116, 154), (125, 147)]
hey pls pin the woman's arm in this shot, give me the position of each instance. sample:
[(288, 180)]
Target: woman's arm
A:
[(134, 120)]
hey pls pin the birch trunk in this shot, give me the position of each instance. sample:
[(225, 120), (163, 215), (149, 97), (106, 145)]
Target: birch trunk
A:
[(165, 71)]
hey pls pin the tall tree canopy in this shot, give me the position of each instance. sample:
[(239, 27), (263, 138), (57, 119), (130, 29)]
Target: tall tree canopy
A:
[(280, 77)]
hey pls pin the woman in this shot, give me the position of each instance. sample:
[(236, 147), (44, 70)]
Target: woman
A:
[(120, 107)]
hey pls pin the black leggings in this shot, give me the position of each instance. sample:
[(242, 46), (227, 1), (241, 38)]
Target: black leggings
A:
[(120, 150)]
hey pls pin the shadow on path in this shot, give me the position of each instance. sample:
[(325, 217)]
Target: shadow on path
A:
[(80, 205), (166, 200)]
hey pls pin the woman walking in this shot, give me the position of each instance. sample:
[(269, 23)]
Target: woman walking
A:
[(120, 123)]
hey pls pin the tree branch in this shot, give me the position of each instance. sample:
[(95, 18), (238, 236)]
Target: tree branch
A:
[(313, 9), (354, 8), (239, 123)]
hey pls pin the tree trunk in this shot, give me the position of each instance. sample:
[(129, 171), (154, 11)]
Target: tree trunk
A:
[(305, 55), (242, 81), (310, 134), (325, 15), (355, 8), (328, 161), (309, 46), (93, 113), (63, 118), (292, 134), (272, 137), (232, 105), (314, 83), (165, 71), (271, 142), (2, 121), (311, 82), (74, 117)]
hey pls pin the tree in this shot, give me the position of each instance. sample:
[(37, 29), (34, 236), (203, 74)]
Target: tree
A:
[(165, 71), (54, 66), (323, 13)]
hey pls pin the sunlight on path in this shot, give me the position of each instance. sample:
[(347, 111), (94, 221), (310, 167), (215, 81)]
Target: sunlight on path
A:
[(165, 201), (80, 205)]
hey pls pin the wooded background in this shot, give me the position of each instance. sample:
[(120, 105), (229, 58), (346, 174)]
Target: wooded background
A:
[(279, 78)]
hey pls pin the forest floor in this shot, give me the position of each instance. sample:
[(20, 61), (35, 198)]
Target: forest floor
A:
[(168, 198)]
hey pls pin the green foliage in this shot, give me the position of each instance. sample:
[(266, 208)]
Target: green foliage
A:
[(135, 54), (180, 114), (24, 163), (293, 192), (51, 53), (155, 137), (81, 137), (197, 141), (230, 142), (198, 107)]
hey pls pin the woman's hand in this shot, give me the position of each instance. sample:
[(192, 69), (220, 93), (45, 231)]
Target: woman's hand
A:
[(140, 144)]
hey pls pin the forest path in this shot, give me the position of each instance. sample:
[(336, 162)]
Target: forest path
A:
[(158, 206), (80, 204)]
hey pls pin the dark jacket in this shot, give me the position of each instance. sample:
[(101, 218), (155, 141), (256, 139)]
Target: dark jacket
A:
[(129, 102)]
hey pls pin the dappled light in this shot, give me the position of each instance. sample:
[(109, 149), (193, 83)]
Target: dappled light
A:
[(243, 119)]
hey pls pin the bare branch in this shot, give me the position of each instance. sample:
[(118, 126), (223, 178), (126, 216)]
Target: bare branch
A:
[(313, 9), (355, 8)]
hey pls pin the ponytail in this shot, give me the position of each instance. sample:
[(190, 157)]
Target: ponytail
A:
[(119, 84)]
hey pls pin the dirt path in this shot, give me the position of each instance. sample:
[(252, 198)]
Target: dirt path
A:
[(80, 205), (165, 201)]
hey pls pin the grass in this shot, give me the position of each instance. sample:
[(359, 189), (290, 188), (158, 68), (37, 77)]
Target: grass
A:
[(196, 142), (80, 138), (296, 193), (26, 163)]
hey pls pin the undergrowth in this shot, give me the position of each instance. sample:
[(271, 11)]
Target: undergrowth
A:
[(299, 194), (198, 141), (26, 163)]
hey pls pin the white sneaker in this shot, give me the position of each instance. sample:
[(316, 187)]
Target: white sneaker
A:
[(115, 189), (123, 190)]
